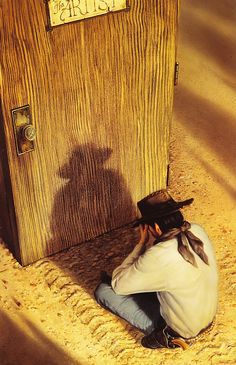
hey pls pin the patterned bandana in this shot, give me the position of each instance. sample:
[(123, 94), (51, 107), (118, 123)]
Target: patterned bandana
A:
[(186, 238)]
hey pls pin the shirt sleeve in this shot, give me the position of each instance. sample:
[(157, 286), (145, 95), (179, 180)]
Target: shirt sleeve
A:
[(140, 273)]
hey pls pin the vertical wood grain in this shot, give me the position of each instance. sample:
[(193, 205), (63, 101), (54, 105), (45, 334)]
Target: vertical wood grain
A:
[(101, 94), (8, 229)]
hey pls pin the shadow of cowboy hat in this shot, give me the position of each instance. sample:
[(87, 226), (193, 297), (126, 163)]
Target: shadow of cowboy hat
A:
[(87, 157), (158, 204)]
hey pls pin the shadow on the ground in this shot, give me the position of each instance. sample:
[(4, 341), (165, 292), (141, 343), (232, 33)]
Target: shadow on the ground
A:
[(211, 124), (200, 33), (22, 343), (224, 9), (226, 185)]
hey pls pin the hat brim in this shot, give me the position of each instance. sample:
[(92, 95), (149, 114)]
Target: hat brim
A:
[(162, 213)]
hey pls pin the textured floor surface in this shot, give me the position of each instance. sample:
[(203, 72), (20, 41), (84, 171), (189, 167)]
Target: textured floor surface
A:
[(49, 316)]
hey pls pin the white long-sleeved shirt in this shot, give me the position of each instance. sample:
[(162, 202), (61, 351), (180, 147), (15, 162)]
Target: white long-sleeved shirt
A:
[(187, 295)]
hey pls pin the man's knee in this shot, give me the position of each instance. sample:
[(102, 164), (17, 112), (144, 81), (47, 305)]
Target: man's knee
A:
[(100, 292), (97, 292)]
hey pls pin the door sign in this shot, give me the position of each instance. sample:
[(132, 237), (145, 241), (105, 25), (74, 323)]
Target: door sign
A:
[(66, 11)]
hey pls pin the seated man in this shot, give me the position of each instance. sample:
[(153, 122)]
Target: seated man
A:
[(167, 287)]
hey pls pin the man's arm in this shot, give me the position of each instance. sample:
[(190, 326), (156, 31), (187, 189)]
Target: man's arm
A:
[(138, 250), (141, 271)]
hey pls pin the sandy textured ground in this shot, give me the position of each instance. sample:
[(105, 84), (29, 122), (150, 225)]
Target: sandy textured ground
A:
[(47, 312)]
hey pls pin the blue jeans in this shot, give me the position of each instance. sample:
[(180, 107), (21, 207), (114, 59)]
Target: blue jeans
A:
[(140, 310)]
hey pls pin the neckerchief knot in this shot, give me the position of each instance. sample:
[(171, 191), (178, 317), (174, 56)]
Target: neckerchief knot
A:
[(185, 226), (185, 238)]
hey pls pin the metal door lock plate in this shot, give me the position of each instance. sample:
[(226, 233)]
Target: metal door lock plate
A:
[(24, 131)]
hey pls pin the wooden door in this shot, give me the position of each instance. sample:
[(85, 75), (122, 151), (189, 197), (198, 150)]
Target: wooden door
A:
[(100, 93)]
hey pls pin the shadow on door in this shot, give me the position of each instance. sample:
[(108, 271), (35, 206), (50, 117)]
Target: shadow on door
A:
[(93, 196)]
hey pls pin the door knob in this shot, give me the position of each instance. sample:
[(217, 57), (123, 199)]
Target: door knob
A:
[(28, 132), (24, 131)]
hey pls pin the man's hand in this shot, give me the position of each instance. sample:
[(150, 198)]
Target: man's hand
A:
[(144, 235)]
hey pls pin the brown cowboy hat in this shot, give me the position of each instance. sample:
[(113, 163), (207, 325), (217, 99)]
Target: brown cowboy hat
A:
[(158, 204)]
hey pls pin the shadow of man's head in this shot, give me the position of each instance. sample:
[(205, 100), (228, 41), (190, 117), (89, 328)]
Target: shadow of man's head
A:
[(93, 200), (85, 159)]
